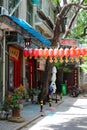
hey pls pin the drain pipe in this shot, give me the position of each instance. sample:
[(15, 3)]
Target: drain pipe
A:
[(3, 65)]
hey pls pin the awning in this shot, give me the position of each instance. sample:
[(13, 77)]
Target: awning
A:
[(24, 28)]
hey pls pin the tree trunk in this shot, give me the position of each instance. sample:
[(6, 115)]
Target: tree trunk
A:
[(46, 79)]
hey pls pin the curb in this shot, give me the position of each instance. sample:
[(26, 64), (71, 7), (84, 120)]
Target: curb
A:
[(27, 122), (33, 119)]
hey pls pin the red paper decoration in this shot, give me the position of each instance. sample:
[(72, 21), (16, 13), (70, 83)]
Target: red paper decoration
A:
[(72, 52), (66, 54), (55, 54), (30, 50), (77, 52), (35, 52), (45, 52), (61, 54), (83, 51), (40, 52), (25, 52), (50, 54)]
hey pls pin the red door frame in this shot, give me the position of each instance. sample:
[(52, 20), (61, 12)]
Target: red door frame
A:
[(16, 72), (31, 69)]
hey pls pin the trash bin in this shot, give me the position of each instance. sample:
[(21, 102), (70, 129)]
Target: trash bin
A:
[(64, 89)]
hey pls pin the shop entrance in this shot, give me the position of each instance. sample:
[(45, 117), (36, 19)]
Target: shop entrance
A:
[(29, 74), (14, 73)]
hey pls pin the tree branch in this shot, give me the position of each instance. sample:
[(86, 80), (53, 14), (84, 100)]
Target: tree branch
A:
[(59, 18), (71, 21)]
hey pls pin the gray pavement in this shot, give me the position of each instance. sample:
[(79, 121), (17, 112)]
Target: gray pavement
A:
[(29, 113), (70, 115)]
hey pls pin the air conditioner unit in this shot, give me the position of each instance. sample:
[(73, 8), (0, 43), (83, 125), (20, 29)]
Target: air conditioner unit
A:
[(3, 11)]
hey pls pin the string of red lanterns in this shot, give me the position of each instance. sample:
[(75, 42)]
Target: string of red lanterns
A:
[(54, 54)]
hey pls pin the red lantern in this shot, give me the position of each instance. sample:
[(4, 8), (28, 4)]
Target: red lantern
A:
[(61, 54), (40, 52), (55, 54), (25, 52), (77, 52), (72, 52), (50, 54), (35, 52), (45, 52), (83, 51), (30, 50), (66, 54)]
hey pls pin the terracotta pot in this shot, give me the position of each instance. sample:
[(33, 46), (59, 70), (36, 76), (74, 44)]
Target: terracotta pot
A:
[(16, 112)]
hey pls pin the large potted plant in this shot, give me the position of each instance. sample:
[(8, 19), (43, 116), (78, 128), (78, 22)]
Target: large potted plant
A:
[(14, 99)]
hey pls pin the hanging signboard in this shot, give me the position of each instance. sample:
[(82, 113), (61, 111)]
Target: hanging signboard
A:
[(14, 52), (68, 42)]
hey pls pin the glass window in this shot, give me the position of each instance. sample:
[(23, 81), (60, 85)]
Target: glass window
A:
[(11, 74), (29, 18)]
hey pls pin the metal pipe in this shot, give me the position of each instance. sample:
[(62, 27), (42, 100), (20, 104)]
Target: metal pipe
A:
[(3, 65)]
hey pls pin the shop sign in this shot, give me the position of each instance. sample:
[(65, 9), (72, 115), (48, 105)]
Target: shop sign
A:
[(68, 42), (14, 52), (41, 64)]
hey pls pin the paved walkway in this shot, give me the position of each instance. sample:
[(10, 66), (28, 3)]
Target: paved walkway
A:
[(30, 112)]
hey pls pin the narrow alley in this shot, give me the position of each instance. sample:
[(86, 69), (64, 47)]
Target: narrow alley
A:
[(70, 115)]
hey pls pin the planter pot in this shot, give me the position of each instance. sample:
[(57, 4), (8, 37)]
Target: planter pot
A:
[(16, 116), (16, 112)]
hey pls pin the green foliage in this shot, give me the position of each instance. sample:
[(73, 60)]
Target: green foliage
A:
[(84, 66), (14, 99), (55, 2), (58, 64), (66, 69)]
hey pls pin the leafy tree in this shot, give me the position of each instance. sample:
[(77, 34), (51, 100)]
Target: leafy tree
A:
[(80, 6)]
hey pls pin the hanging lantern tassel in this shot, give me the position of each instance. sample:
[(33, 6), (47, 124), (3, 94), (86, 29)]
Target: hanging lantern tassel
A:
[(82, 58), (51, 60), (77, 59), (61, 59), (55, 59), (66, 59)]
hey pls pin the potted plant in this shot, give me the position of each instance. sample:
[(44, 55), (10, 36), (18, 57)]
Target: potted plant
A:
[(14, 99)]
